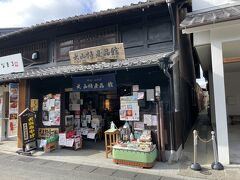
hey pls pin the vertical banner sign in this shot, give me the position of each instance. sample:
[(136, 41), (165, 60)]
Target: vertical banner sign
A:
[(29, 133), (13, 109)]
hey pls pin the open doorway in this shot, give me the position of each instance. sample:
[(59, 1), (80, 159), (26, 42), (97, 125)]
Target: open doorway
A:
[(91, 113)]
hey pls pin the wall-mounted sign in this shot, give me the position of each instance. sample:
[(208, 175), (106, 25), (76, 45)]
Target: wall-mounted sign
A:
[(129, 110), (98, 54), (13, 109), (34, 104), (28, 127), (105, 82), (11, 63), (47, 132)]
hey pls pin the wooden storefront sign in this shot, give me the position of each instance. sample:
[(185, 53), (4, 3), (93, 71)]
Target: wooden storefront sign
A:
[(47, 132), (28, 128), (98, 54)]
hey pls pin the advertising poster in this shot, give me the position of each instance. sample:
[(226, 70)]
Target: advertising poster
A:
[(129, 108), (138, 126), (51, 110), (13, 109)]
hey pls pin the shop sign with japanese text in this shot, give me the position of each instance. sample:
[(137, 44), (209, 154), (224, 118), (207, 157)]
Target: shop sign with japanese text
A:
[(94, 83), (47, 132), (11, 63), (98, 54), (28, 126)]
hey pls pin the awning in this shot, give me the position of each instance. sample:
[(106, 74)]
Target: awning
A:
[(44, 71), (212, 16)]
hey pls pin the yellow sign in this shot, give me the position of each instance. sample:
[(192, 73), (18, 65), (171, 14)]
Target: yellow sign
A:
[(34, 105), (98, 54), (47, 132)]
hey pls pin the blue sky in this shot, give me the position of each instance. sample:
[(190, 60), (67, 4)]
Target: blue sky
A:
[(22, 13)]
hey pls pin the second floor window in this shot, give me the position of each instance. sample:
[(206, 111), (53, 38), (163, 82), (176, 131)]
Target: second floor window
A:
[(106, 35), (64, 48)]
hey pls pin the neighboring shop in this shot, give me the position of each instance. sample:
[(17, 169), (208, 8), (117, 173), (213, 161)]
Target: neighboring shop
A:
[(9, 97)]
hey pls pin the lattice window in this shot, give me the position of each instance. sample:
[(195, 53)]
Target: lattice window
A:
[(27, 50), (106, 35)]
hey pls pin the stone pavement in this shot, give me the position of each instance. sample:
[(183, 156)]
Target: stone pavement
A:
[(28, 168), (205, 156)]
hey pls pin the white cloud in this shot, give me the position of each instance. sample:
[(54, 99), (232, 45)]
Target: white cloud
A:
[(21, 13), (107, 4)]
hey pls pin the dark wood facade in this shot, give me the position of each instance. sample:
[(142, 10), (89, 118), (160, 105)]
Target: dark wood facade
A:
[(143, 31)]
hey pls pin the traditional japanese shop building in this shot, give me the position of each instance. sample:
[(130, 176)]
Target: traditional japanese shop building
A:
[(137, 45)]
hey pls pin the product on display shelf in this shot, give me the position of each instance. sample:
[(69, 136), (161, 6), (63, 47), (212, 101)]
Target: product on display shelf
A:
[(126, 132)]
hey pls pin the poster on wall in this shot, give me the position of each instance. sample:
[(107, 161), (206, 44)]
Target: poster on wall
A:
[(34, 104), (129, 110), (13, 109), (51, 110)]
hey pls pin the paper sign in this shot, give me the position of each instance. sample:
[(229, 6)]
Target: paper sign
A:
[(11, 63), (69, 142), (74, 107), (154, 120), (91, 135), (138, 125), (62, 139), (147, 119), (34, 104)]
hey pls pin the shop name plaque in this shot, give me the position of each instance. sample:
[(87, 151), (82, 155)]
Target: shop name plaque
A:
[(96, 54)]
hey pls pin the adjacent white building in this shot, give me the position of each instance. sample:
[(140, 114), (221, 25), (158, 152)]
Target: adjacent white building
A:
[(215, 25)]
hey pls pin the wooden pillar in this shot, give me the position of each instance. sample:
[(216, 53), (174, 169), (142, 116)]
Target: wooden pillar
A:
[(22, 106)]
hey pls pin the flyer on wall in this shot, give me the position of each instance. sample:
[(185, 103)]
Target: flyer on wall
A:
[(51, 110), (13, 109), (129, 110)]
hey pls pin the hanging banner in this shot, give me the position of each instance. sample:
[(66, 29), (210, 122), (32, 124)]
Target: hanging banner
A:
[(28, 127), (105, 82), (11, 63), (13, 109), (97, 54)]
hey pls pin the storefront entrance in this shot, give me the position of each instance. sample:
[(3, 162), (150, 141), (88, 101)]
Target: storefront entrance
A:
[(61, 105)]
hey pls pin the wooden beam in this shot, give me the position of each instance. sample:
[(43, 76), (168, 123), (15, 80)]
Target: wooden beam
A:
[(22, 106), (231, 60)]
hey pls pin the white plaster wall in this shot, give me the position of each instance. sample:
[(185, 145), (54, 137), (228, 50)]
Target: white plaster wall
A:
[(232, 87), (203, 4)]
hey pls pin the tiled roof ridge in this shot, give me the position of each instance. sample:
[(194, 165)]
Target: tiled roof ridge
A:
[(140, 4), (211, 17), (69, 69)]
